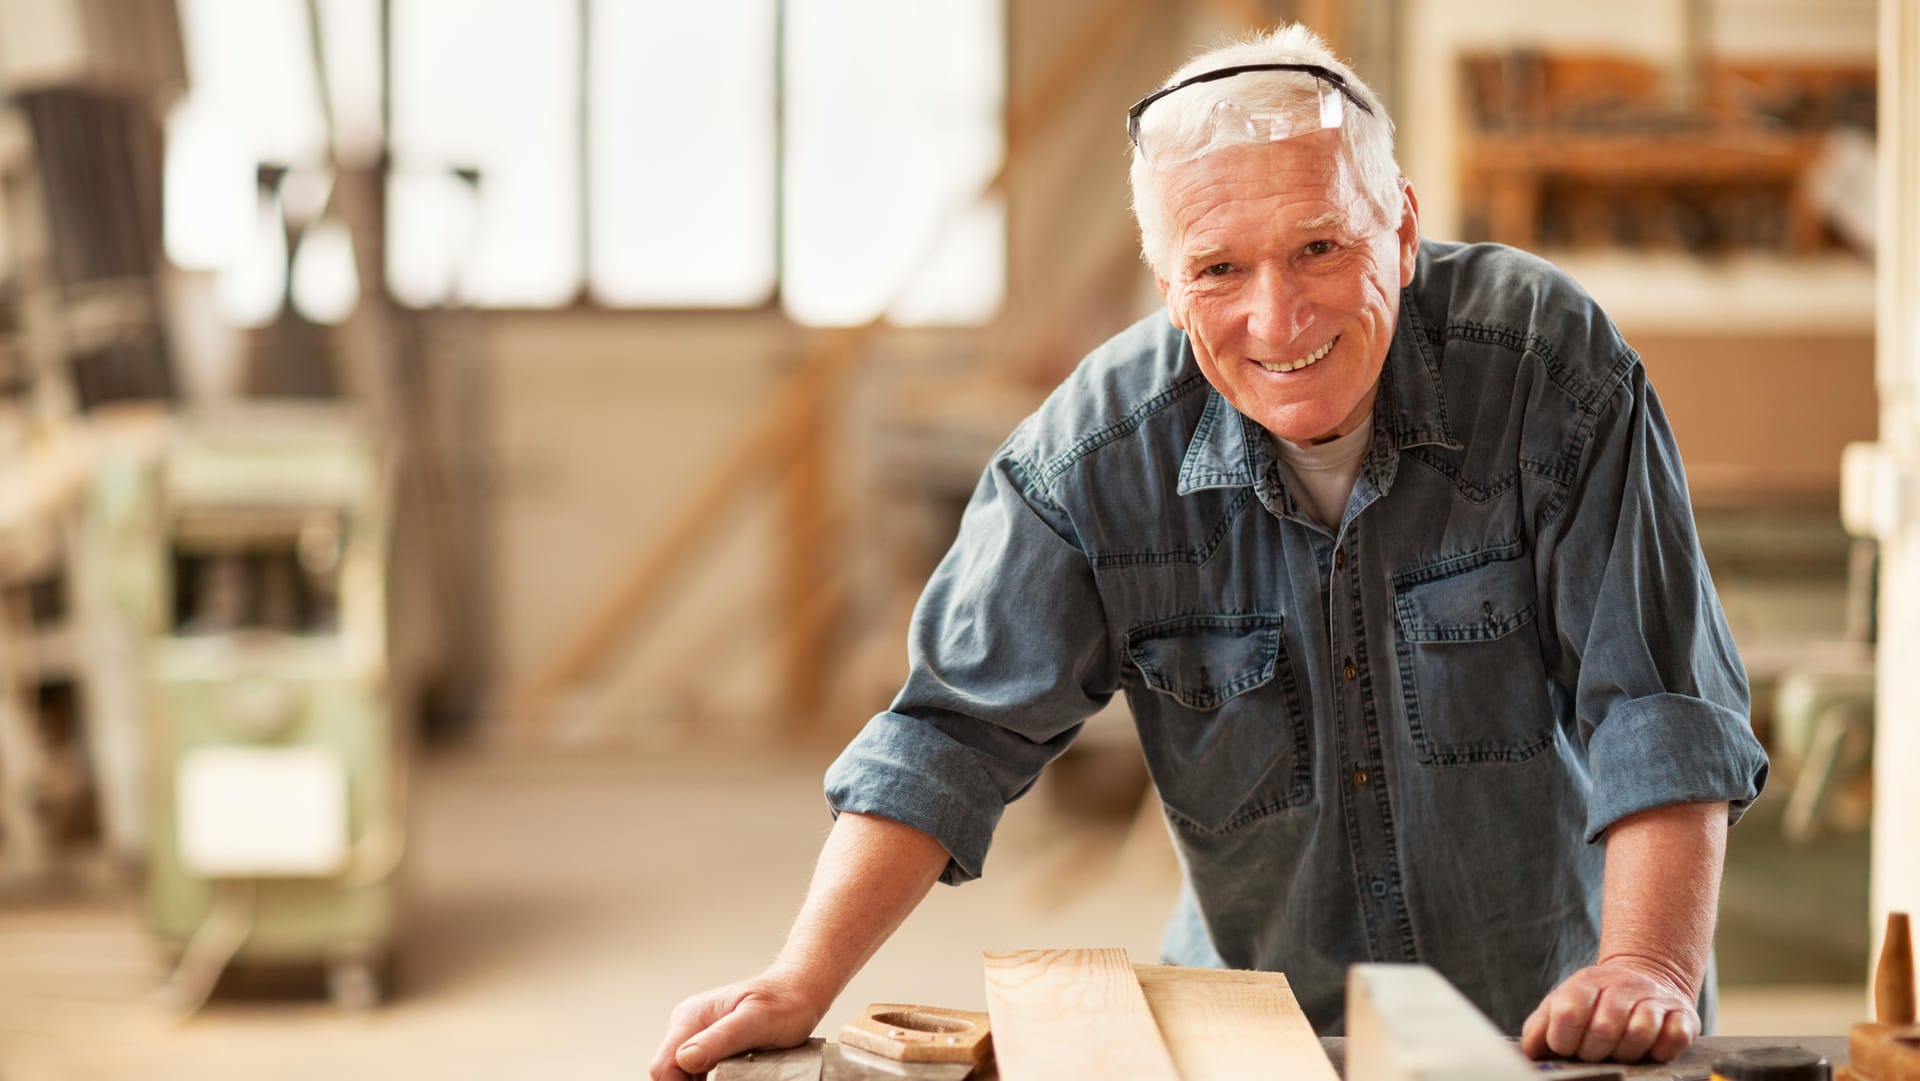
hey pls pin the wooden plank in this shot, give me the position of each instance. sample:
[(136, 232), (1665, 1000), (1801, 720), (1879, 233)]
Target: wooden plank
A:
[(1072, 1013), (806, 556), (1407, 1023), (1219, 1023)]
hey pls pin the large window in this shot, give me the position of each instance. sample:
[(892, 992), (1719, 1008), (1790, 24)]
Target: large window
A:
[(632, 153)]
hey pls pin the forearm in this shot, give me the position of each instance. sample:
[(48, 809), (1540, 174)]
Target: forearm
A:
[(872, 873), (1661, 891)]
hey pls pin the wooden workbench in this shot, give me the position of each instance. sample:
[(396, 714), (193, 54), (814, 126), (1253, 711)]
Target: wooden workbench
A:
[(1696, 1063)]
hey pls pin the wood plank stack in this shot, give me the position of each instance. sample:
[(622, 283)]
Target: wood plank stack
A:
[(1090, 1013)]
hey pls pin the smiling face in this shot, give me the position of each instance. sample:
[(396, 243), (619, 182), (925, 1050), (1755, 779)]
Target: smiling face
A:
[(1286, 281)]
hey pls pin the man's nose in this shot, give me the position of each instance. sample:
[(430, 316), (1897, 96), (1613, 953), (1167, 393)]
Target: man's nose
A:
[(1279, 312)]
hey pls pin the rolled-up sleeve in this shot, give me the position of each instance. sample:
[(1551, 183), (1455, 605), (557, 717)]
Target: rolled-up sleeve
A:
[(1008, 656), (1659, 691)]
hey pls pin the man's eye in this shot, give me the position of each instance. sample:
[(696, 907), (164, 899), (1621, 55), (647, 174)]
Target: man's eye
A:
[(1216, 270), (1319, 247)]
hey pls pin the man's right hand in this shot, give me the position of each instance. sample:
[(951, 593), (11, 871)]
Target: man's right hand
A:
[(768, 1010), (870, 875)]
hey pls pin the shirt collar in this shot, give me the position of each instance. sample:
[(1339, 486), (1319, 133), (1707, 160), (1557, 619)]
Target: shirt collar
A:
[(1229, 450)]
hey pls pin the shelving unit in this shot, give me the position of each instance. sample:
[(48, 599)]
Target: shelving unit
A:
[(72, 301), (1595, 151)]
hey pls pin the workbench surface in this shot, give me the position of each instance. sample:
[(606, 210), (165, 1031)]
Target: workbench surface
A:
[(1695, 1064)]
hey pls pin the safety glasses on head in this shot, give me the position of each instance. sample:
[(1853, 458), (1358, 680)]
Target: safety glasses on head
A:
[(1312, 99)]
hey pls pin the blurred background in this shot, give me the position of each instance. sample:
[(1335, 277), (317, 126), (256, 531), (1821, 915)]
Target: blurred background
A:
[(466, 465)]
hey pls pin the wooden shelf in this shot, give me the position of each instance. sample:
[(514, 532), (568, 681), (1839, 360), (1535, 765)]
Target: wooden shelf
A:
[(1601, 151)]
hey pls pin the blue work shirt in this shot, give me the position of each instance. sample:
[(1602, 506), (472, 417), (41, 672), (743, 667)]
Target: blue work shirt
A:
[(1402, 739)]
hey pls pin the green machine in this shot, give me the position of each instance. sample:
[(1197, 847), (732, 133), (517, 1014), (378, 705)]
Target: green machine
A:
[(278, 765)]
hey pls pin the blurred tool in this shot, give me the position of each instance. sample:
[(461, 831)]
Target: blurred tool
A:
[(1879, 1052), (278, 809), (1888, 1048), (1893, 977)]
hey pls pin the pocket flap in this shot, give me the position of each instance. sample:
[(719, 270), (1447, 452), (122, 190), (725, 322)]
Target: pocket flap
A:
[(1475, 605), (1204, 660)]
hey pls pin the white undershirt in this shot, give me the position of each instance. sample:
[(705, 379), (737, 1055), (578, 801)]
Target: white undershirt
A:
[(1323, 475)]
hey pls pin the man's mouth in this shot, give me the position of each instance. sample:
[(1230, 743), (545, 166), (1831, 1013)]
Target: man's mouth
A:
[(1298, 363)]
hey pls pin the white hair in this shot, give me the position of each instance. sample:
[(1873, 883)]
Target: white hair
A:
[(1368, 137)]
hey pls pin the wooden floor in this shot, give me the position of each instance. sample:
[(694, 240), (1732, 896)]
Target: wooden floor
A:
[(561, 903)]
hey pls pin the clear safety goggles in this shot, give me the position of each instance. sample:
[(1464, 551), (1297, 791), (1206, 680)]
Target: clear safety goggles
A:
[(1169, 136)]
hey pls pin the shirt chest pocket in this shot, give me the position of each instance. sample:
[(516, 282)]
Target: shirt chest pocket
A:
[(1470, 667), (1220, 719)]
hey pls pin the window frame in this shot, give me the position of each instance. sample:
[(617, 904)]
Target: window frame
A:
[(774, 305)]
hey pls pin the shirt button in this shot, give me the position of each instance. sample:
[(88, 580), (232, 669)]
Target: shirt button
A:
[(1350, 673), (1379, 887), (1339, 557), (1359, 778)]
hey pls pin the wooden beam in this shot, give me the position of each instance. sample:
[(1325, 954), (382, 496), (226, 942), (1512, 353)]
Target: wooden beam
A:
[(804, 560), (1244, 1025), (1407, 1023), (1072, 1013)]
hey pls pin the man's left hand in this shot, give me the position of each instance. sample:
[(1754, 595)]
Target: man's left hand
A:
[(1612, 1011)]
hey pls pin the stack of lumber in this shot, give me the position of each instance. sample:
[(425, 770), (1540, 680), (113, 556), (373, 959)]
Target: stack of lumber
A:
[(1091, 1013)]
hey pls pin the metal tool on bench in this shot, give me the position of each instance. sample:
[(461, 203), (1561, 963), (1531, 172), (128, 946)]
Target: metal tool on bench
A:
[(1578, 1071), (1772, 1064), (888, 1042)]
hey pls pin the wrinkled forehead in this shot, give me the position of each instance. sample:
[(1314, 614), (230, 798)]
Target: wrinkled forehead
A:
[(1313, 170)]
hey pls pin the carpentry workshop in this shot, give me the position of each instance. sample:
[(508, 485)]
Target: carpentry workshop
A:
[(1011, 540)]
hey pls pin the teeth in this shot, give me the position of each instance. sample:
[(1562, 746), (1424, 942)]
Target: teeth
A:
[(1296, 365)]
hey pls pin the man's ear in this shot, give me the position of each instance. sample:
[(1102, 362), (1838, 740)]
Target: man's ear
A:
[(1409, 232), (1174, 313)]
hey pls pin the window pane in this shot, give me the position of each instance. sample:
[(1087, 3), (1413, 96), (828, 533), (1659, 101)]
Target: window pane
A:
[(350, 44), (250, 62), (681, 145), (893, 116), (253, 99), (493, 85)]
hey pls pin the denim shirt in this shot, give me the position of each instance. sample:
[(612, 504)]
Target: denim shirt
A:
[(1399, 740)]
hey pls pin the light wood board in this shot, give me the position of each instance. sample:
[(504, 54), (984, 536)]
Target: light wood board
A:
[(1407, 1023), (1230, 1024), (1071, 1014)]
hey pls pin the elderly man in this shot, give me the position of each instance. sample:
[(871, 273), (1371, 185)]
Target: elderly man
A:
[(1388, 545)]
